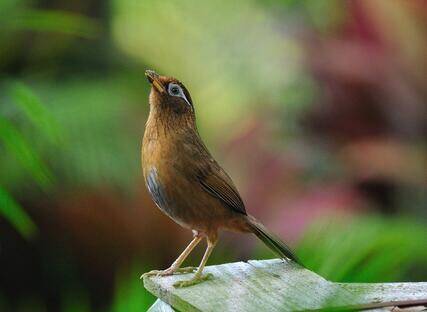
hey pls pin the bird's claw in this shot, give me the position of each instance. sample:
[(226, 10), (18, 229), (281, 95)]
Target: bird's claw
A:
[(169, 271), (194, 281), (158, 273)]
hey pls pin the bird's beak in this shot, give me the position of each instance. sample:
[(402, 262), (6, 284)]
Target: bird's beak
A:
[(153, 78)]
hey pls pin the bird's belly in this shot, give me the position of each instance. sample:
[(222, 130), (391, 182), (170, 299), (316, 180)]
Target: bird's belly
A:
[(187, 204)]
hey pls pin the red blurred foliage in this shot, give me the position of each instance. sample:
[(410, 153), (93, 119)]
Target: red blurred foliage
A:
[(371, 111), (373, 81)]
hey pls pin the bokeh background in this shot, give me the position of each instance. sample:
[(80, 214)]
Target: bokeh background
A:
[(317, 109)]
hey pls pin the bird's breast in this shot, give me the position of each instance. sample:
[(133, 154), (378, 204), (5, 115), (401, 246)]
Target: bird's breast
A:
[(165, 179)]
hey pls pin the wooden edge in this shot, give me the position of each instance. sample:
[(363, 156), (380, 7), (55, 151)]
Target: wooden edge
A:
[(168, 297), (370, 306), (160, 306)]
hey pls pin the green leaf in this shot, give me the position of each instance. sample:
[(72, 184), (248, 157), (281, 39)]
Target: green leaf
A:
[(17, 216), (17, 145), (35, 111)]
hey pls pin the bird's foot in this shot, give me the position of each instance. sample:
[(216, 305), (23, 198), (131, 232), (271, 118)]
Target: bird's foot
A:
[(169, 271), (194, 281)]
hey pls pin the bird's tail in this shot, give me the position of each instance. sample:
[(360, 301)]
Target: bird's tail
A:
[(271, 240)]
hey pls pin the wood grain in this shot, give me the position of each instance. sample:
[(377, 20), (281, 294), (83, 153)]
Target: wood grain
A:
[(275, 285)]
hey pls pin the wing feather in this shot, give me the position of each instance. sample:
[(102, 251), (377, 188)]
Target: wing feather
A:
[(217, 183)]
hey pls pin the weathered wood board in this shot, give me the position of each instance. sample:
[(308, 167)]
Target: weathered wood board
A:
[(275, 285)]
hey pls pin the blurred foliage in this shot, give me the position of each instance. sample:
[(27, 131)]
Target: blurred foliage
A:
[(19, 16), (18, 147), (14, 213), (93, 113), (36, 112), (21, 149), (128, 294), (228, 76), (365, 249)]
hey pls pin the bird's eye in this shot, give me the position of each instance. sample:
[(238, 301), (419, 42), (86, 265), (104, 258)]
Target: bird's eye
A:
[(174, 90)]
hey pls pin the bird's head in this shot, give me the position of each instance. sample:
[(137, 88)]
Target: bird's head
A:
[(168, 95)]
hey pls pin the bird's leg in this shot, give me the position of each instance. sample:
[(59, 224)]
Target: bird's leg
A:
[(198, 277), (177, 263)]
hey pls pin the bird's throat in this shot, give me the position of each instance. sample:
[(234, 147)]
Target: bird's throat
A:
[(166, 123)]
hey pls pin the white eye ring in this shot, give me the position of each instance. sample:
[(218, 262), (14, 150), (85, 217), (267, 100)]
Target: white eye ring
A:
[(176, 90)]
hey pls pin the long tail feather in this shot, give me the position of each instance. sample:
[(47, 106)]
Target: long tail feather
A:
[(271, 240)]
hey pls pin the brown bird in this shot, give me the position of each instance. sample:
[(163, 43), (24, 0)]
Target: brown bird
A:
[(186, 182)]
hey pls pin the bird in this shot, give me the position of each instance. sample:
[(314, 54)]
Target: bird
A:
[(186, 182)]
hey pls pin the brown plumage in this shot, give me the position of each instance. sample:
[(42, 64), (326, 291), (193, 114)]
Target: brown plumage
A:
[(186, 182)]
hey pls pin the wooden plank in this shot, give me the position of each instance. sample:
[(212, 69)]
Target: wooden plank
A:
[(381, 294), (160, 306), (275, 285), (309, 290)]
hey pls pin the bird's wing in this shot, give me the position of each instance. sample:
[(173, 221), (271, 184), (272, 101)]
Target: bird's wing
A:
[(217, 183)]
